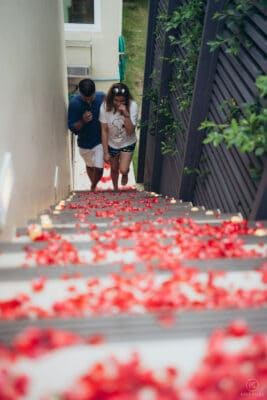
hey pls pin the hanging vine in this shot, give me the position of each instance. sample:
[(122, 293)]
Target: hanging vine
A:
[(184, 30), (169, 127), (184, 27)]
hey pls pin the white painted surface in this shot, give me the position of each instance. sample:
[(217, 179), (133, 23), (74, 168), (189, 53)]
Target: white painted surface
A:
[(33, 104)]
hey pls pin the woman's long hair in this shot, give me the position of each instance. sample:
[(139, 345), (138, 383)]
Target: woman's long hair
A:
[(118, 89)]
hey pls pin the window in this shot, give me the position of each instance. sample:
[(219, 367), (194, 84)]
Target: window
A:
[(82, 15)]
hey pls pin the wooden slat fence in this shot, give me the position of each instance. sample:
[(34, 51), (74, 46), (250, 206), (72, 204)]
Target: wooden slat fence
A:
[(222, 177)]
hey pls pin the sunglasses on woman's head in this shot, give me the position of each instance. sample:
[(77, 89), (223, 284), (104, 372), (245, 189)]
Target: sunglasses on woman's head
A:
[(117, 90)]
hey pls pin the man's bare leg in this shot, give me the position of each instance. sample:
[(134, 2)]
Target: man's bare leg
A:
[(94, 174), (98, 173), (90, 173)]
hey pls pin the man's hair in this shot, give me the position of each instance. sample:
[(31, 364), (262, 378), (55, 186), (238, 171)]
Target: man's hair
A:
[(87, 87)]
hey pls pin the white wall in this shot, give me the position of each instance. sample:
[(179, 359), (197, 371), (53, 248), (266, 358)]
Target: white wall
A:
[(105, 69), (33, 104)]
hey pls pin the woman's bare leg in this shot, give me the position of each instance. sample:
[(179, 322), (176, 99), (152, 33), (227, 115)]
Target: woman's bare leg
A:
[(114, 171), (125, 160)]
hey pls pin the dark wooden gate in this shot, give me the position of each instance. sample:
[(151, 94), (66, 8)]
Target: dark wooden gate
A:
[(221, 177)]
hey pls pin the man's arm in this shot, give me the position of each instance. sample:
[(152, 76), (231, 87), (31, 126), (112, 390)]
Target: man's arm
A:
[(75, 122)]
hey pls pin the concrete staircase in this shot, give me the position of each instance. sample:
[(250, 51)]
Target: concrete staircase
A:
[(132, 272)]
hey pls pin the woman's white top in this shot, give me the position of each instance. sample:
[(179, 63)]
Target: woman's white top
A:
[(117, 135)]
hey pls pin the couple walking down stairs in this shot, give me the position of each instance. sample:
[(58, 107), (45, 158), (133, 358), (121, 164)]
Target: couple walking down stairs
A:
[(132, 295)]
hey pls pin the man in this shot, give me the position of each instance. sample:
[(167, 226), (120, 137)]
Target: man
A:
[(83, 114)]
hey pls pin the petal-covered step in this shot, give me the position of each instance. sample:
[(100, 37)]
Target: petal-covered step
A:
[(133, 272), (136, 242), (125, 327), (63, 253), (138, 367), (185, 289), (102, 269)]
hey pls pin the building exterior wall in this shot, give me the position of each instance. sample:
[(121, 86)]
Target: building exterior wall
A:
[(33, 104), (104, 38)]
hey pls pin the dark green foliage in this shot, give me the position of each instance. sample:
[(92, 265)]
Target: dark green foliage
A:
[(245, 126), (234, 16)]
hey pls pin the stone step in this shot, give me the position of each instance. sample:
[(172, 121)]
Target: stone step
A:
[(147, 327), (134, 293), (16, 258), (165, 234), (68, 219), (103, 269)]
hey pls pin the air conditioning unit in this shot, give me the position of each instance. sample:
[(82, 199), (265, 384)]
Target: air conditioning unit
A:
[(78, 71)]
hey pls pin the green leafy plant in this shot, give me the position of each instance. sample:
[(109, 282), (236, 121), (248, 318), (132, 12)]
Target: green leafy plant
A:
[(168, 127), (256, 173), (151, 94), (246, 124), (197, 171), (162, 120), (234, 15), (184, 27)]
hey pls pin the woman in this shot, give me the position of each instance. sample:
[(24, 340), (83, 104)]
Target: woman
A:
[(118, 117)]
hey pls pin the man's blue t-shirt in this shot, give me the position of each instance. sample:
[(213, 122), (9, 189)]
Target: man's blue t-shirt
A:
[(90, 134)]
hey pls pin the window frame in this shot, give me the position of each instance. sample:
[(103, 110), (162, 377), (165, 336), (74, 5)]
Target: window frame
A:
[(95, 27)]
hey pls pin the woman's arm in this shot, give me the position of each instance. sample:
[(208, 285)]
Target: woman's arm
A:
[(104, 136), (129, 126)]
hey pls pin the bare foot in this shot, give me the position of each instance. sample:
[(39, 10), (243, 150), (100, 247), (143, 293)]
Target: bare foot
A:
[(124, 179)]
